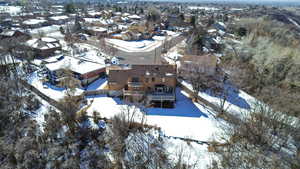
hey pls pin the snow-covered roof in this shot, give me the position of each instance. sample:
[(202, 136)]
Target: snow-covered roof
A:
[(91, 20), (45, 29), (43, 43), (57, 6), (211, 30), (222, 24), (56, 18), (118, 13), (34, 21), (78, 65), (98, 29), (93, 13), (125, 14), (134, 17), (13, 10), (122, 27), (8, 33), (106, 21)]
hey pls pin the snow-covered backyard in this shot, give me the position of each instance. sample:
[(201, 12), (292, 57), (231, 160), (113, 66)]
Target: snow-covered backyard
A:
[(187, 119)]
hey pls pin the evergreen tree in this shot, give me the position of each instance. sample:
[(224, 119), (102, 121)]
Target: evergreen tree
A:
[(70, 8)]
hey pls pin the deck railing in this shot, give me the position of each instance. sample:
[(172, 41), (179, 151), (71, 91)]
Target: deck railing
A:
[(132, 93), (161, 97)]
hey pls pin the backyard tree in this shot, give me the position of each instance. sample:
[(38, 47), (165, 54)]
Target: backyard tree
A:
[(261, 138)]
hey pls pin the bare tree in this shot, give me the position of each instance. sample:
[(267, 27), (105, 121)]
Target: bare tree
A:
[(261, 139), (129, 120), (201, 75), (106, 48)]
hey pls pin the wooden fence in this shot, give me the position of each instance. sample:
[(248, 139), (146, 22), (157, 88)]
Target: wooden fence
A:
[(95, 92)]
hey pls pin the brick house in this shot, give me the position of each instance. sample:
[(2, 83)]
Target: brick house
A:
[(7, 34), (59, 20), (153, 85), (206, 63), (84, 70)]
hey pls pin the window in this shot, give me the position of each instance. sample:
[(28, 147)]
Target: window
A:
[(147, 80), (163, 80), (153, 79), (135, 79)]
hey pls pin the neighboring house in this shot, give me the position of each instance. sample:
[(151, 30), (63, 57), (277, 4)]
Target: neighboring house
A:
[(154, 85), (8, 34), (131, 35), (7, 22), (220, 26), (212, 42), (59, 20), (97, 31), (206, 63), (44, 47), (84, 70), (35, 23), (93, 14), (134, 17)]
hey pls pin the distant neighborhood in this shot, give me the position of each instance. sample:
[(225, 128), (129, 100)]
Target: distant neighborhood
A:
[(149, 85), (98, 43)]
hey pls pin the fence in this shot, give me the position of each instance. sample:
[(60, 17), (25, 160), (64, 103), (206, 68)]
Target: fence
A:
[(95, 92)]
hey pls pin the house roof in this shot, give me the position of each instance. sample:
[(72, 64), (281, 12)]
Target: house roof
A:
[(98, 29), (7, 33), (143, 70), (77, 65), (56, 18), (134, 17), (43, 43), (34, 21)]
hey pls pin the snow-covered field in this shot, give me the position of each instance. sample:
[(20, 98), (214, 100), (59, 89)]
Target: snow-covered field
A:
[(237, 102)]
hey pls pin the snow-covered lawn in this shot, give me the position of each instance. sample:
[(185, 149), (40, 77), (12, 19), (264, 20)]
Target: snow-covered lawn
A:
[(53, 92), (187, 119), (237, 102), (58, 93), (192, 153)]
